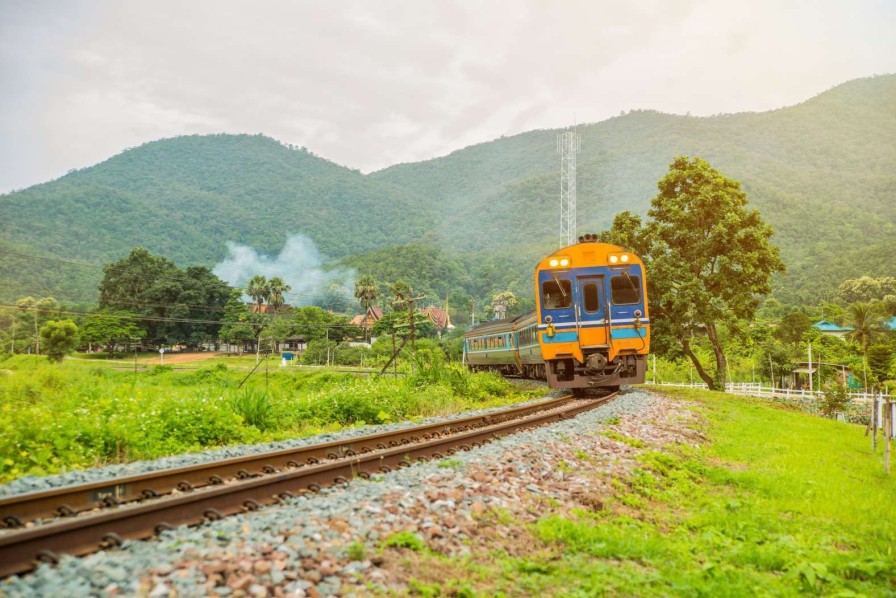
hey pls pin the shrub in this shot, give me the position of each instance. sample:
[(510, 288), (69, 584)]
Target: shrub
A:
[(254, 406), (834, 400)]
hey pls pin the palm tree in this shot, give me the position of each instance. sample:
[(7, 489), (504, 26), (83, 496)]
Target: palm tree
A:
[(867, 323), (277, 289), (366, 291), (259, 289)]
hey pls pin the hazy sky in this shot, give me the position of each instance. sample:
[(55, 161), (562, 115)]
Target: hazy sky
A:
[(372, 83)]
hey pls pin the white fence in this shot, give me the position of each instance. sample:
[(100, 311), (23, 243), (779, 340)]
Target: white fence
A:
[(752, 389)]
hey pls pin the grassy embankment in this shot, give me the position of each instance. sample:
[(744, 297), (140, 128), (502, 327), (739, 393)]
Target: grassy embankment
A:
[(777, 503), (85, 413)]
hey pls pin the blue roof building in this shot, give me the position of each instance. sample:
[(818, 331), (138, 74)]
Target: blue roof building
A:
[(831, 329)]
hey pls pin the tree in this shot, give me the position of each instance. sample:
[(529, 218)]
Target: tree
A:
[(109, 327), (708, 256), (259, 289), (504, 302), (867, 324), (793, 327), (366, 291), (336, 298), (176, 305), (278, 289), (38, 309), (60, 338), (237, 324), (314, 323), (866, 289)]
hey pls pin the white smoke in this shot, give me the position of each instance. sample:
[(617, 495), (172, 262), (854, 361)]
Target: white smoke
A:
[(299, 264)]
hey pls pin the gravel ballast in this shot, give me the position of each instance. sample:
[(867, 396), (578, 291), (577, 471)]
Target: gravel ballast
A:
[(330, 543)]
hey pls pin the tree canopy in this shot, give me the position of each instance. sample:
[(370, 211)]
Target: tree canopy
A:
[(709, 258)]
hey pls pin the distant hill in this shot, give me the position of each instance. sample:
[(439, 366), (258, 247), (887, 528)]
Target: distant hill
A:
[(184, 198), (822, 173)]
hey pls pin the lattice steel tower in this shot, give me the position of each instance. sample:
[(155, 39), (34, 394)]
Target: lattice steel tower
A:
[(568, 145)]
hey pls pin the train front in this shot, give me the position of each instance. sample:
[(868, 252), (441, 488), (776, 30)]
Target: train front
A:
[(591, 307)]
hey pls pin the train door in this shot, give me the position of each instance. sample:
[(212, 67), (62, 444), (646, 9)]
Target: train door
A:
[(591, 311)]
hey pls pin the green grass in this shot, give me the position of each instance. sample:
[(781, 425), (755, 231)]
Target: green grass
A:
[(88, 413), (774, 503)]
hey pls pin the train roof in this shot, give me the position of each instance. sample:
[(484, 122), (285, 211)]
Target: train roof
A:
[(503, 325)]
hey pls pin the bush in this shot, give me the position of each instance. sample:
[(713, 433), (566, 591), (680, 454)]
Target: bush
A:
[(254, 406), (833, 401)]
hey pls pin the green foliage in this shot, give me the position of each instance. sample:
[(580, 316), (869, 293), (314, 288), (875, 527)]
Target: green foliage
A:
[(408, 540), (356, 551), (866, 289), (834, 400), (109, 327), (793, 327), (254, 406), (166, 296), (709, 257), (366, 291), (85, 413), (59, 338)]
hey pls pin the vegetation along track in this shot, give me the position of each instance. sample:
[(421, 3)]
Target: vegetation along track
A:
[(198, 493)]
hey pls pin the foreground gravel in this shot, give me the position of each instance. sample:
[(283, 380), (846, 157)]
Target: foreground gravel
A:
[(329, 544)]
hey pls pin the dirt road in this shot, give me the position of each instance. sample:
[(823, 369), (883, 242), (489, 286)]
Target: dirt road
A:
[(172, 358)]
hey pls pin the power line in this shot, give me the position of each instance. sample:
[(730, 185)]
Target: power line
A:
[(156, 318)]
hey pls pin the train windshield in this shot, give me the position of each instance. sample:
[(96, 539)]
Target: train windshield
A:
[(626, 289), (556, 293)]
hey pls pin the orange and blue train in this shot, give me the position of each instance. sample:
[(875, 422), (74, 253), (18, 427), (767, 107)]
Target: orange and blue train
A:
[(590, 327)]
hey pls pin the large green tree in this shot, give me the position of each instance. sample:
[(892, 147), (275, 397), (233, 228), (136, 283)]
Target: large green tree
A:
[(710, 260), (175, 306), (108, 327)]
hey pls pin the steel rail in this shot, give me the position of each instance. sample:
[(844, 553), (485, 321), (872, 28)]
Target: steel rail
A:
[(22, 550), (17, 510)]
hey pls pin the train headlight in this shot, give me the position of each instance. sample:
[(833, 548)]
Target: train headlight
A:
[(614, 259), (554, 263), (624, 258), (564, 261)]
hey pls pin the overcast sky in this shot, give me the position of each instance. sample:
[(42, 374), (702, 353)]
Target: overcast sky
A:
[(372, 83)]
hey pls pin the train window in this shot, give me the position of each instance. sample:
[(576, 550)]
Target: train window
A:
[(556, 293), (626, 289), (590, 297)]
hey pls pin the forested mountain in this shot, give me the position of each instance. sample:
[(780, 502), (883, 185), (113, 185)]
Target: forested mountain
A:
[(184, 198), (822, 173)]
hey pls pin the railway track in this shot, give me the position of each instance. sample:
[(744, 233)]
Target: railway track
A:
[(91, 517)]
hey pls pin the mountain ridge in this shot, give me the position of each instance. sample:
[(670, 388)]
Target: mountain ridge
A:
[(821, 172)]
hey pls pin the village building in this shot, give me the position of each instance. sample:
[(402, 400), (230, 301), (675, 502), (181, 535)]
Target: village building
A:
[(831, 329)]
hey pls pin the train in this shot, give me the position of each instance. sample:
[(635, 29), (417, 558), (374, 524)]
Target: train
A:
[(590, 328)]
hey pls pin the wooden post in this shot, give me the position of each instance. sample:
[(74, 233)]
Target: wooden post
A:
[(874, 423), (888, 431)]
